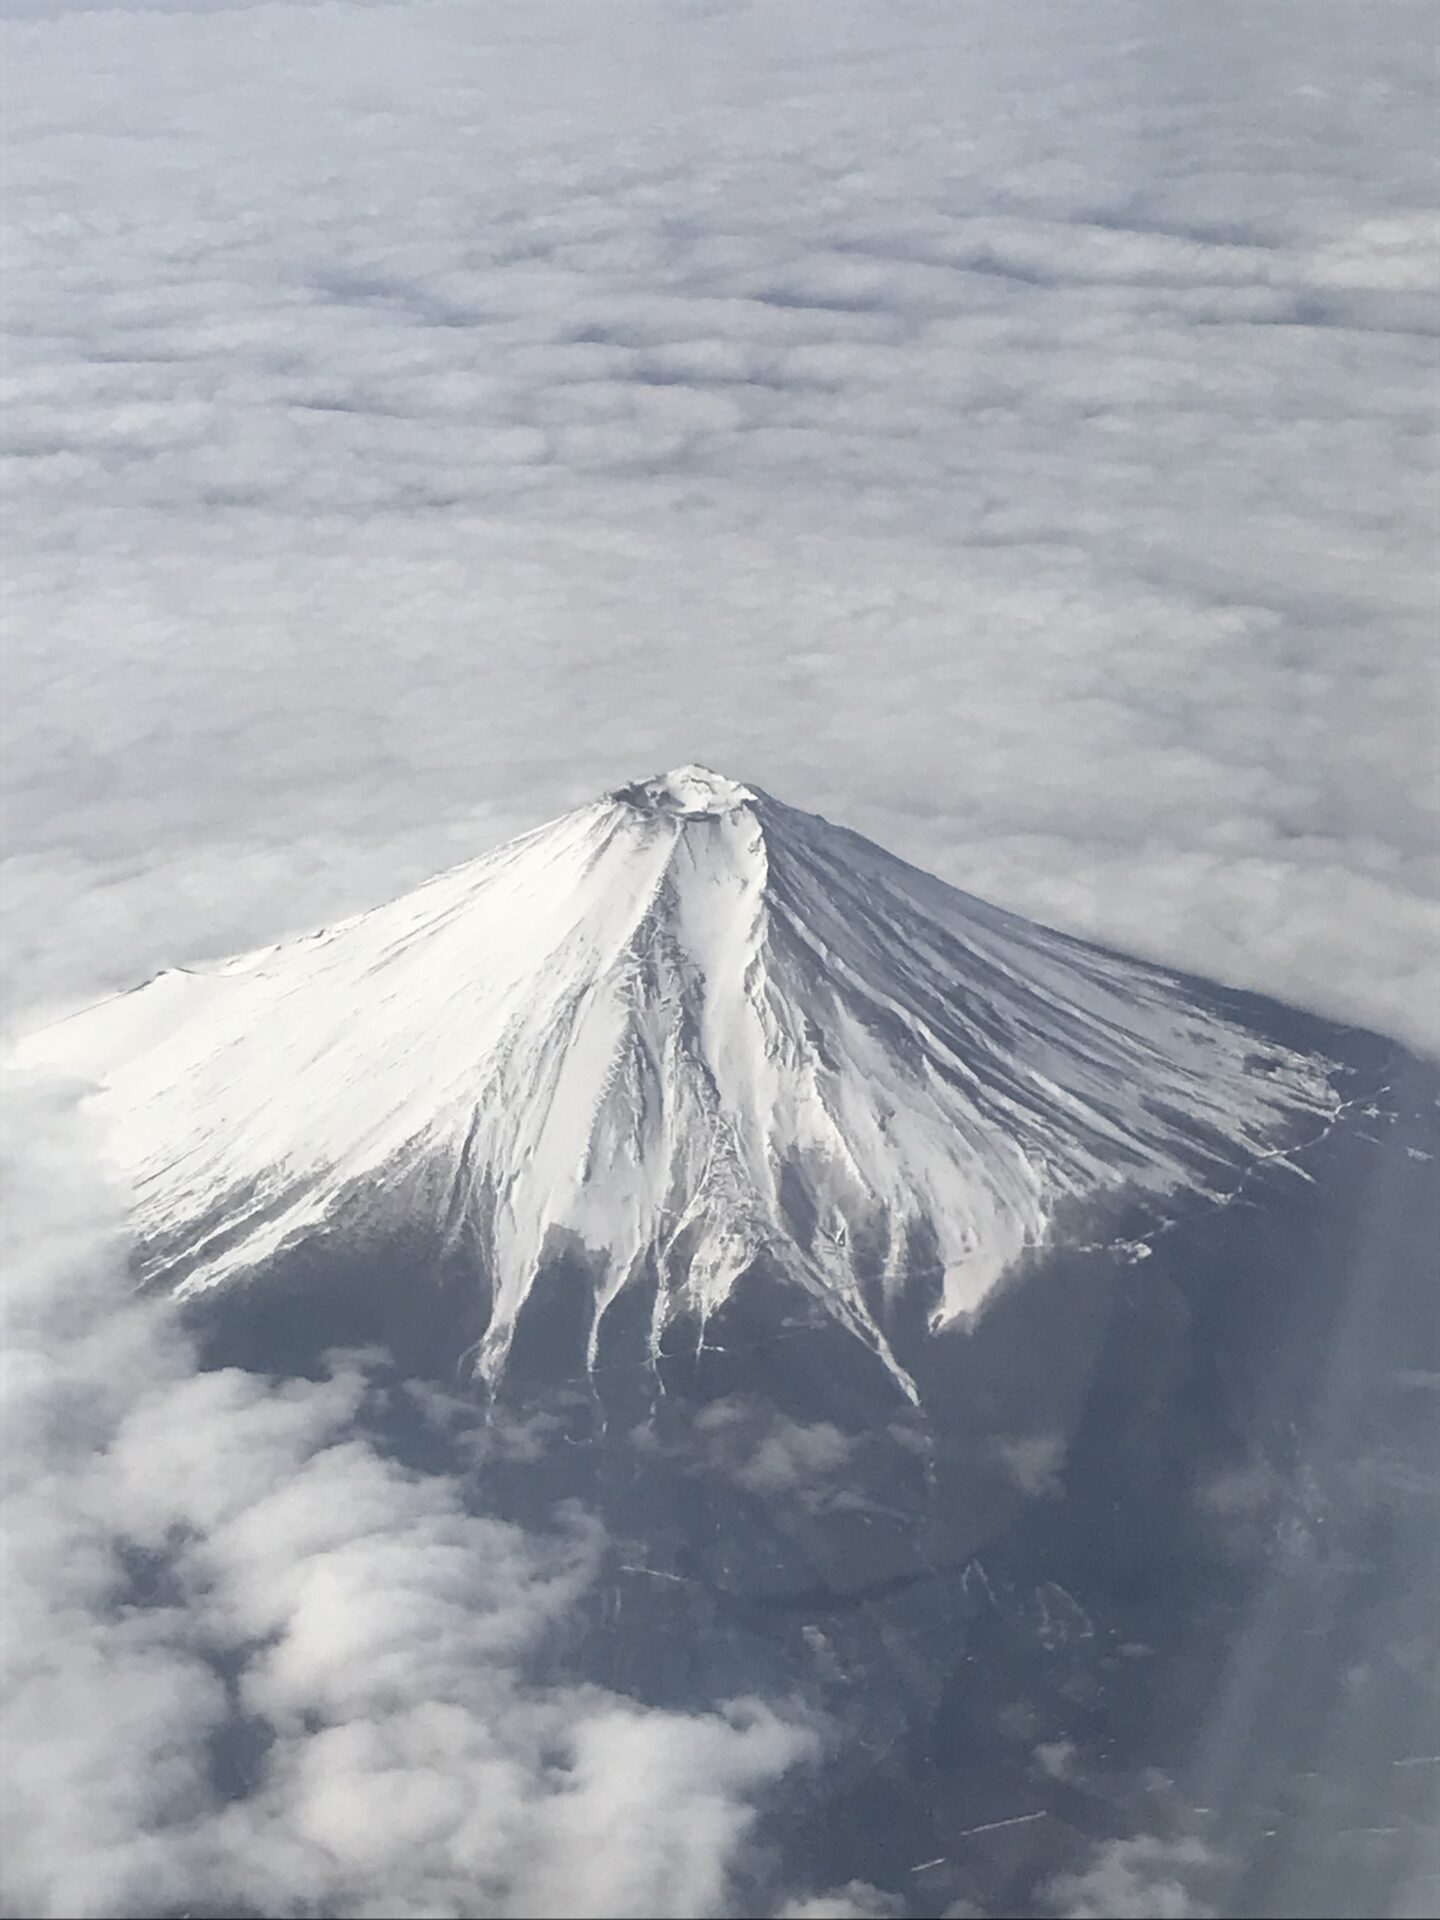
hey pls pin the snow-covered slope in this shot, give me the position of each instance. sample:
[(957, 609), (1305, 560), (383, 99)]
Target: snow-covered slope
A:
[(687, 1024)]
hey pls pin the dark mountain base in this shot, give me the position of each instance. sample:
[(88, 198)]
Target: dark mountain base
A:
[(1153, 1556)]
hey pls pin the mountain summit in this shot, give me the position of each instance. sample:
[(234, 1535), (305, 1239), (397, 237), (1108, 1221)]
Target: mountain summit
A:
[(684, 1028)]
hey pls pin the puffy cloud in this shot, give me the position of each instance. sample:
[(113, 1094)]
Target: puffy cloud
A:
[(1034, 1461), (252, 1659), (1144, 1878), (1056, 1759), (768, 1454), (794, 1454)]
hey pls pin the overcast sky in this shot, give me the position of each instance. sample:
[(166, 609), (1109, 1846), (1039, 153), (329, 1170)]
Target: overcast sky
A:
[(1007, 429)]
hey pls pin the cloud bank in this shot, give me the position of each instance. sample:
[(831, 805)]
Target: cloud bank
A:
[(254, 1664), (1010, 434)]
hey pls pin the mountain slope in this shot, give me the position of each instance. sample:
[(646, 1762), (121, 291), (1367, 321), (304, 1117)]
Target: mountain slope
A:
[(681, 1027)]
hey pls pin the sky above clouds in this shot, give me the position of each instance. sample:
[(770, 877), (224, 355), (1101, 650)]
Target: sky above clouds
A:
[(1008, 433), (1005, 429)]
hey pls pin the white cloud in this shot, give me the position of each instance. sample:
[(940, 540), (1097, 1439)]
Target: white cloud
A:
[(1034, 1462), (747, 1441), (201, 1564), (856, 1901), (793, 1455), (1144, 1878), (1057, 1759), (425, 415)]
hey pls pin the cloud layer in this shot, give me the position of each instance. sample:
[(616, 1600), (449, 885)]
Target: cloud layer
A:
[(1010, 436), (253, 1663)]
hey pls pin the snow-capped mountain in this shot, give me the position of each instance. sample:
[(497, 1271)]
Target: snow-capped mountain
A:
[(685, 1025), (708, 1128)]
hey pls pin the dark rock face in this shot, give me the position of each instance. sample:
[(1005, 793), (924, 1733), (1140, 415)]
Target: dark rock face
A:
[(1152, 1557)]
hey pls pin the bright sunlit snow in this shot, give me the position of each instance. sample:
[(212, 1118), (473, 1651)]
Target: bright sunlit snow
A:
[(630, 1024)]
